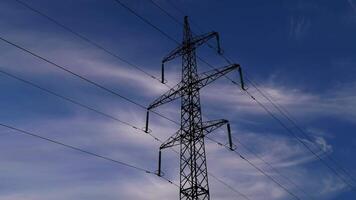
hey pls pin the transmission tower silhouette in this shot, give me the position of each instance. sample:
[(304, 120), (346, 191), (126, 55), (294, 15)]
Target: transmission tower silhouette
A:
[(193, 166)]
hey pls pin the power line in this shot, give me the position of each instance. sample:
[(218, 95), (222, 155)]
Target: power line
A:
[(271, 166), (87, 152), (230, 62), (76, 148), (141, 19), (289, 117), (91, 42), (257, 168), (230, 187), (65, 98), (290, 132), (98, 46), (157, 28), (94, 44), (146, 21), (174, 19), (71, 72), (81, 36), (81, 77), (181, 24), (166, 12), (111, 117), (183, 14), (98, 112), (152, 76), (286, 114)]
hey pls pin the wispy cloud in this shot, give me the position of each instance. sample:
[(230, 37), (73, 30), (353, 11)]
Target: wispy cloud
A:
[(37, 170), (123, 143), (338, 101)]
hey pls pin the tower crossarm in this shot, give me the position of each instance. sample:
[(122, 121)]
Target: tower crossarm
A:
[(201, 39), (189, 46), (212, 75), (212, 125), (171, 95), (194, 43), (207, 127), (204, 79)]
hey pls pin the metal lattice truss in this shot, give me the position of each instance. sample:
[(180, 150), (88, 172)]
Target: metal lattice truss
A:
[(204, 79), (191, 135)]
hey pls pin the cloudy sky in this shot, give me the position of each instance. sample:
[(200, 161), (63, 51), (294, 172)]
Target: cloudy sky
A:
[(301, 53)]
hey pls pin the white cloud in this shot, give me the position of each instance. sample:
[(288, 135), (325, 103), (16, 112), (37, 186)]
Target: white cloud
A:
[(120, 142), (86, 62), (339, 101), (123, 143)]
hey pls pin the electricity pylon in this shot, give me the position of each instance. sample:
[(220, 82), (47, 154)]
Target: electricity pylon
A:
[(190, 136)]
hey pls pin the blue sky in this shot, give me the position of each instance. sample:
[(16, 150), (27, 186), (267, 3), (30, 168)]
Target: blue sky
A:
[(301, 52)]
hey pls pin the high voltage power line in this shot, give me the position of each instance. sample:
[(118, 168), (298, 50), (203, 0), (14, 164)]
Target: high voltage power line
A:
[(77, 149), (278, 107), (79, 76), (169, 37), (126, 99), (98, 112), (181, 24), (122, 163), (290, 132), (81, 36), (228, 60), (126, 123), (65, 69), (67, 99), (108, 116), (257, 168), (91, 42), (272, 167), (275, 104), (289, 117), (239, 142), (61, 67), (230, 187), (140, 70)]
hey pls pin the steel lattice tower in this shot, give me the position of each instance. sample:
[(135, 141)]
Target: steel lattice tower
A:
[(193, 167)]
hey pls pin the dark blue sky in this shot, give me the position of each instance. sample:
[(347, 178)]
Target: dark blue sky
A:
[(302, 53)]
